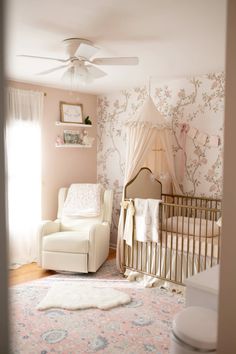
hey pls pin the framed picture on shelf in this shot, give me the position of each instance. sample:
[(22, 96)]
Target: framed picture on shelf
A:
[(71, 112), (72, 137)]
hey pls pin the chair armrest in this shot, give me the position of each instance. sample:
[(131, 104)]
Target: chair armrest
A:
[(99, 239), (46, 227), (99, 230)]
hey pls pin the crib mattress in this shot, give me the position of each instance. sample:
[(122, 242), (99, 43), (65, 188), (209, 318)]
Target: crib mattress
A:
[(203, 246), (191, 226)]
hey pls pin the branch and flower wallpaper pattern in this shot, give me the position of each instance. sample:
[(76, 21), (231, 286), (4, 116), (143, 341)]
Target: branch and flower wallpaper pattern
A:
[(197, 103)]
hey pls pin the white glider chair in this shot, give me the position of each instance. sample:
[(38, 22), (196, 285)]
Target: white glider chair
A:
[(75, 243)]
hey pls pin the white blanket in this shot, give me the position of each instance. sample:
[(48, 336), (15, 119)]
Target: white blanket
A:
[(83, 200), (146, 219), (128, 229)]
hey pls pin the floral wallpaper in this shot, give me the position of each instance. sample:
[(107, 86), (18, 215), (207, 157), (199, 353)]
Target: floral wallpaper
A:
[(194, 105)]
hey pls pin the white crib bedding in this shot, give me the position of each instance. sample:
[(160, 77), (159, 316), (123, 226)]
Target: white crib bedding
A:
[(203, 246), (191, 226), (166, 258)]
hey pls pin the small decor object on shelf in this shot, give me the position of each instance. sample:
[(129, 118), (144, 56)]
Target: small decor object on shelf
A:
[(59, 140), (72, 137), (71, 112), (87, 121), (87, 140)]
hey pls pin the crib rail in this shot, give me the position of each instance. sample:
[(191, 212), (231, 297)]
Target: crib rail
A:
[(189, 240), (198, 202)]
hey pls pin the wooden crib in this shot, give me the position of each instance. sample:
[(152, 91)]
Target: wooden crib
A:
[(189, 235)]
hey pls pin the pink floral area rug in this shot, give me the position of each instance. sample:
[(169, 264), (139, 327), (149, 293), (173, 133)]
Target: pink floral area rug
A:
[(141, 326)]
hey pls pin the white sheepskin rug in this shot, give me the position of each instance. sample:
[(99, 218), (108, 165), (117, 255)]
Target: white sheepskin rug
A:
[(74, 296)]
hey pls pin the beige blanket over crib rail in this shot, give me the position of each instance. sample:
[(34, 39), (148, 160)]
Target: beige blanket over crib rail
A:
[(142, 220), (146, 219)]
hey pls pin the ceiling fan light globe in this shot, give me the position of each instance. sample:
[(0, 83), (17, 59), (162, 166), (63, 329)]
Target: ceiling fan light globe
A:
[(76, 75), (79, 69)]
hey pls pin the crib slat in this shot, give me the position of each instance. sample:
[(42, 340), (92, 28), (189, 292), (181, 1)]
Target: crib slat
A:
[(188, 236), (206, 241), (150, 260), (177, 246), (182, 246), (166, 243), (194, 240), (212, 245), (200, 241), (171, 241)]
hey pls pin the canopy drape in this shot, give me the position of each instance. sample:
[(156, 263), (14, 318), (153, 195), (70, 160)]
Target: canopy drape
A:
[(141, 134)]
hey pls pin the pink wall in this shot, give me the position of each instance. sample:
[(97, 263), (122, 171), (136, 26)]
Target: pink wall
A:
[(63, 166)]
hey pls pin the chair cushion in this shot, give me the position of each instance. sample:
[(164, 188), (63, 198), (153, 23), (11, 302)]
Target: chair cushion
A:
[(67, 242), (80, 224)]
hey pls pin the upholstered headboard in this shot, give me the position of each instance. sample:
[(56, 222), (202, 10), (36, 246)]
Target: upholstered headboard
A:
[(143, 185)]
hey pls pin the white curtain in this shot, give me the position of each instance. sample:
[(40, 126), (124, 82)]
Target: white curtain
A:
[(23, 137), (141, 135)]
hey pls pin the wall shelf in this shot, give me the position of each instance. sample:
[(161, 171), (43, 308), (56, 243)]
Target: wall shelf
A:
[(72, 146), (78, 125)]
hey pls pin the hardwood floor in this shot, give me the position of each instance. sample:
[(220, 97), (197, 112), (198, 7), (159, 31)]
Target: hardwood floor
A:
[(32, 271), (27, 272), (112, 253)]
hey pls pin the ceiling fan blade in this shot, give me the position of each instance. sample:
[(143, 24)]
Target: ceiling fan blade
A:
[(86, 51), (94, 72), (52, 70), (45, 58), (116, 61)]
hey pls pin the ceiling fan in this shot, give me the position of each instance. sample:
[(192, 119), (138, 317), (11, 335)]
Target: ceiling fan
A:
[(80, 67)]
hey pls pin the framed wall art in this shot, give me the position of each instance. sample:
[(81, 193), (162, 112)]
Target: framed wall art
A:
[(72, 137), (71, 112)]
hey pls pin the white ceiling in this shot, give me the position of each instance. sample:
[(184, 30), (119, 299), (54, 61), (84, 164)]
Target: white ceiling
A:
[(172, 38)]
